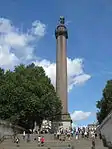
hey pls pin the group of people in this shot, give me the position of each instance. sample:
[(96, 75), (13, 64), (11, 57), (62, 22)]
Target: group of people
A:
[(85, 133), (40, 139), (63, 134), (76, 132)]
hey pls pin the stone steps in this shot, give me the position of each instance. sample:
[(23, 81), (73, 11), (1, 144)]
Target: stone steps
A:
[(32, 136), (79, 144), (8, 144), (35, 144)]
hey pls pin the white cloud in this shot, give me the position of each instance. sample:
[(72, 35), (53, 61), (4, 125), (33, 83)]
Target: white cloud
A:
[(75, 67), (19, 47), (38, 28), (80, 115), (16, 46)]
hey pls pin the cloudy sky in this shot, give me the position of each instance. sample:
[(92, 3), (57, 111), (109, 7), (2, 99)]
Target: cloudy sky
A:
[(27, 35)]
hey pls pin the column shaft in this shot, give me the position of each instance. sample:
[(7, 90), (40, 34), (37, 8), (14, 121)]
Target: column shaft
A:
[(61, 72)]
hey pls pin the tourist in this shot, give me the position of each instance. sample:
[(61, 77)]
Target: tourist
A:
[(42, 140), (68, 135), (58, 135), (95, 134), (14, 137), (82, 134), (79, 129), (39, 140), (100, 136), (85, 134), (54, 135), (24, 134), (77, 135), (93, 143), (92, 134), (66, 131), (61, 130), (28, 137), (17, 141), (72, 133)]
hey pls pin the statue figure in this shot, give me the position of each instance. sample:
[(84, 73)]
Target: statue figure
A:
[(62, 20)]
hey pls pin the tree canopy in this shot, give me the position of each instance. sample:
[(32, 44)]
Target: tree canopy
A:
[(105, 104), (27, 95)]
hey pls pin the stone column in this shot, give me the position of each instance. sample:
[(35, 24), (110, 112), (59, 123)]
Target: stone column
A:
[(61, 35)]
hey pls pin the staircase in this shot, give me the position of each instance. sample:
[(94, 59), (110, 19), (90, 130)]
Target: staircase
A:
[(8, 144), (50, 143)]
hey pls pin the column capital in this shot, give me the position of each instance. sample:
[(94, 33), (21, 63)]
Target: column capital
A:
[(61, 30)]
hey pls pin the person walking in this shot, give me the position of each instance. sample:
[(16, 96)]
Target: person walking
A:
[(39, 140), (24, 134), (42, 140)]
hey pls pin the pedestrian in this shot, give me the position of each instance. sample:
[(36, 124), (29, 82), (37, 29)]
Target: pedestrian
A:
[(100, 136), (82, 134), (17, 141), (93, 143), (39, 140), (85, 134), (28, 137), (42, 140), (77, 135), (24, 134)]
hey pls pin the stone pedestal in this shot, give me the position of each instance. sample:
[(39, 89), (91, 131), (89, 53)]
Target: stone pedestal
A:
[(66, 121)]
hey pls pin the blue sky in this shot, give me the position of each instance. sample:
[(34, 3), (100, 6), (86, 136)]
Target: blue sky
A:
[(90, 39)]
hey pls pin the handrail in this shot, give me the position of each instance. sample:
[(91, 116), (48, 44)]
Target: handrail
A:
[(2, 139), (5, 137)]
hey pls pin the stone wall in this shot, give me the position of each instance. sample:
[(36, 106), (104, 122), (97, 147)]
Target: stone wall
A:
[(106, 130), (7, 128), (5, 131)]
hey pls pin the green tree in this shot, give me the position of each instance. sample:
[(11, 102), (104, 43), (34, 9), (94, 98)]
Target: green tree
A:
[(27, 95), (105, 104)]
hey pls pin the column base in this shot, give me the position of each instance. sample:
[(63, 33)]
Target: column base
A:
[(65, 123), (66, 117)]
